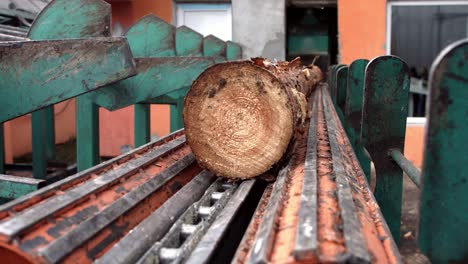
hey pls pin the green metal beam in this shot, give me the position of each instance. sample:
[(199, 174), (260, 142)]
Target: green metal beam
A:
[(12, 187), (444, 198), (383, 128), (42, 73)]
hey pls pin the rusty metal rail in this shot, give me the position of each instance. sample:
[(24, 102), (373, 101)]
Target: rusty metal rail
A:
[(320, 208), (156, 205)]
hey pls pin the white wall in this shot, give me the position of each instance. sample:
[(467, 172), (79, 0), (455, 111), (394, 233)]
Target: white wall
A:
[(260, 27)]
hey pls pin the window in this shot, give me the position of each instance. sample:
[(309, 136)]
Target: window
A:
[(417, 31), (214, 19)]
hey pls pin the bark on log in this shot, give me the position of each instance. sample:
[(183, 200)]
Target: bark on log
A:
[(241, 116)]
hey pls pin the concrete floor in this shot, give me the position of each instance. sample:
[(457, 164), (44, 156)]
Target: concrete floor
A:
[(409, 222)]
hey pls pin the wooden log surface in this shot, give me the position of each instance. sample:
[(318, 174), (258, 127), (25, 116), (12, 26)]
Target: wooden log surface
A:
[(240, 117)]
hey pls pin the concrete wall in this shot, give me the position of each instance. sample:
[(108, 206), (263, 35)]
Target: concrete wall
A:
[(260, 27)]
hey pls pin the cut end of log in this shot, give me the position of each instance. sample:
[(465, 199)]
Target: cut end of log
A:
[(238, 119)]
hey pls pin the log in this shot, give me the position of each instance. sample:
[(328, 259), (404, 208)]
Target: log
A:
[(240, 117)]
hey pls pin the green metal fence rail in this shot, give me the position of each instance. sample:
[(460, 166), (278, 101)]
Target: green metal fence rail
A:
[(37, 74), (375, 112)]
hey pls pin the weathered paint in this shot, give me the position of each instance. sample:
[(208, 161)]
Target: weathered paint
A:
[(151, 37), (383, 128), (42, 73), (77, 19), (72, 19), (214, 47), (188, 42), (2, 148), (444, 198), (353, 111), (12, 187), (233, 51), (156, 77), (341, 83)]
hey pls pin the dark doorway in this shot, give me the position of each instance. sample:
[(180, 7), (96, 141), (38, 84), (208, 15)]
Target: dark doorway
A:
[(312, 34)]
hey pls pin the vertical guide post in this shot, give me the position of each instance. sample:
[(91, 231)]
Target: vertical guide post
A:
[(444, 198), (87, 133), (38, 143), (341, 83), (384, 124), (142, 124), (2, 149), (353, 111), (334, 87)]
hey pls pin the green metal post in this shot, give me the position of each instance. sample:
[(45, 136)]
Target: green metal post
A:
[(2, 149), (341, 83), (142, 124), (444, 198), (334, 86), (341, 80), (87, 133), (383, 128), (176, 115), (38, 141), (353, 111)]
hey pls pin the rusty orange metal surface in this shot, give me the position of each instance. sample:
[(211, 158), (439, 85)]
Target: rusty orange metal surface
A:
[(372, 242), (25, 245)]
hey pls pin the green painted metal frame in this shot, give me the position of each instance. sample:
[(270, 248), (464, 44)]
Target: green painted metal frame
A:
[(385, 109), (444, 198), (12, 187), (77, 19), (46, 72)]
